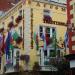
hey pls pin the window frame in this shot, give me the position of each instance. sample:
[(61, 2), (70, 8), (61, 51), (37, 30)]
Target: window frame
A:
[(40, 33)]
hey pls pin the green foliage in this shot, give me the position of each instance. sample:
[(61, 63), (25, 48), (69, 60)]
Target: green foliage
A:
[(36, 66)]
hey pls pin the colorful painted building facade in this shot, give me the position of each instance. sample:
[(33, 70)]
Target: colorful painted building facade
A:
[(70, 46), (71, 26), (42, 26)]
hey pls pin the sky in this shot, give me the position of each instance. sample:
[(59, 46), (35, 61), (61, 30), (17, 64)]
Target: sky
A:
[(60, 1)]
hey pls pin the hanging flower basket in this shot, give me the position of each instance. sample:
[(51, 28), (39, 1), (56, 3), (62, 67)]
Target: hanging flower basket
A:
[(2, 29), (19, 40), (36, 67), (16, 25), (18, 19), (11, 24)]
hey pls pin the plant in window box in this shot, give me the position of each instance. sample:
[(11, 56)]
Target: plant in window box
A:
[(36, 67), (18, 19)]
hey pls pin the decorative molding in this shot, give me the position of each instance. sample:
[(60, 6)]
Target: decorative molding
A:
[(31, 28), (51, 6), (45, 4), (51, 2), (38, 4), (18, 19), (63, 9), (29, 1), (56, 7)]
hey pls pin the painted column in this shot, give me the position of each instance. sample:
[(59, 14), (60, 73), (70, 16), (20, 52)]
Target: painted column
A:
[(27, 30)]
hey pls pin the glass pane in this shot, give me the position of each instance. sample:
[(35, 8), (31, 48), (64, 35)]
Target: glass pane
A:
[(20, 28), (52, 53), (53, 30), (20, 12), (47, 35), (40, 34), (46, 11), (47, 30), (41, 29), (45, 53)]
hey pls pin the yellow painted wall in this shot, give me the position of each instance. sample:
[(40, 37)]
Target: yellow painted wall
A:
[(58, 15)]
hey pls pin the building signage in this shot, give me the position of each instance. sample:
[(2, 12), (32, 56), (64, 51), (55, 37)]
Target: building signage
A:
[(58, 23)]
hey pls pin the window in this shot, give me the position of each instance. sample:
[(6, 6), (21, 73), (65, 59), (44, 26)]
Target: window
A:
[(48, 31), (20, 12), (45, 53), (12, 18), (53, 30), (41, 31), (52, 53), (46, 12), (17, 57), (20, 29), (46, 16)]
